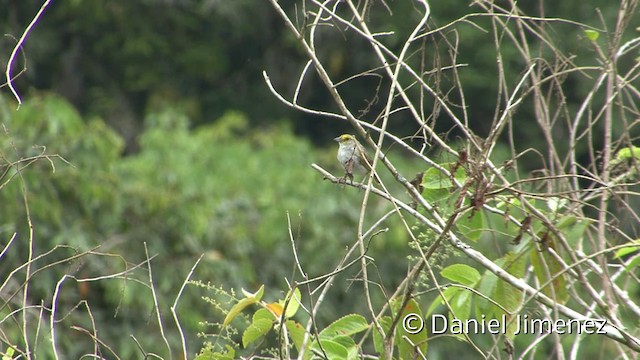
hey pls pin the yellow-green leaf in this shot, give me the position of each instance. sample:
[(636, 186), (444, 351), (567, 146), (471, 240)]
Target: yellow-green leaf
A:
[(592, 34), (249, 300), (628, 153), (632, 247), (293, 304)]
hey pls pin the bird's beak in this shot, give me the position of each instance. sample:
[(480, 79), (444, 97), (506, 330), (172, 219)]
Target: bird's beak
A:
[(337, 139)]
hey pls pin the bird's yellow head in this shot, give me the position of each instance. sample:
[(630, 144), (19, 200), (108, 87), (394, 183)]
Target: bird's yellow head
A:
[(345, 138)]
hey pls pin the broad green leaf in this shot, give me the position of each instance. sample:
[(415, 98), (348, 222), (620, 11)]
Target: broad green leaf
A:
[(261, 323), (339, 347), (461, 305), (435, 179), (415, 335), (436, 195), (459, 300), (503, 293), (344, 340), (347, 325), (507, 295), (566, 222), (472, 227), (296, 332), (256, 330), (487, 287), (461, 274), (249, 300), (263, 313), (575, 231), (353, 353), (332, 349), (557, 288)]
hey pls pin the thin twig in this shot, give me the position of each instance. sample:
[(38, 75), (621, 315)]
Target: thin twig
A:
[(174, 307), (18, 46)]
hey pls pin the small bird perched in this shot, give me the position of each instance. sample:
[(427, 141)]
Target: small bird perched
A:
[(353, 157)]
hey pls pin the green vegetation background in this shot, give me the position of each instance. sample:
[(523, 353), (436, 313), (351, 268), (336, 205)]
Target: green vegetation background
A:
[(170, 138)]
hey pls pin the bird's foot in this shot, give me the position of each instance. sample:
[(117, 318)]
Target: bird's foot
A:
[(343, 180)]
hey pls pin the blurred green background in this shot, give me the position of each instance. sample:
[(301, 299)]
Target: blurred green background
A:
[(170, 138)]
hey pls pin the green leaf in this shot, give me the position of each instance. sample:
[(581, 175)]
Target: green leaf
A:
[(472, 227), (261, 323), (209, 355), (349, 344), (633, 263), (487, 286), (410, 343), (256, 330), (293, 303), (333, 349), (557, 288), (459, 300), (567, 221), (378, 339), (249, 300), (436, 195), (263, 313), (353, 352), (449, 293), (296, 332), (257, 295), (462, 274), (347, 325), (633, 246), (507, 202), (435, 179), (573, 230), (506, 294), (8, 354), (461, 305), (592, 34), (628, 153), (341, 330)]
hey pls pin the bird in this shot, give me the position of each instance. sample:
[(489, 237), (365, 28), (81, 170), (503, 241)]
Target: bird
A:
[(353, 157)]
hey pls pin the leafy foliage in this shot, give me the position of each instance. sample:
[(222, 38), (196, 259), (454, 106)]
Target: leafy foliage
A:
[(222, 190)]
